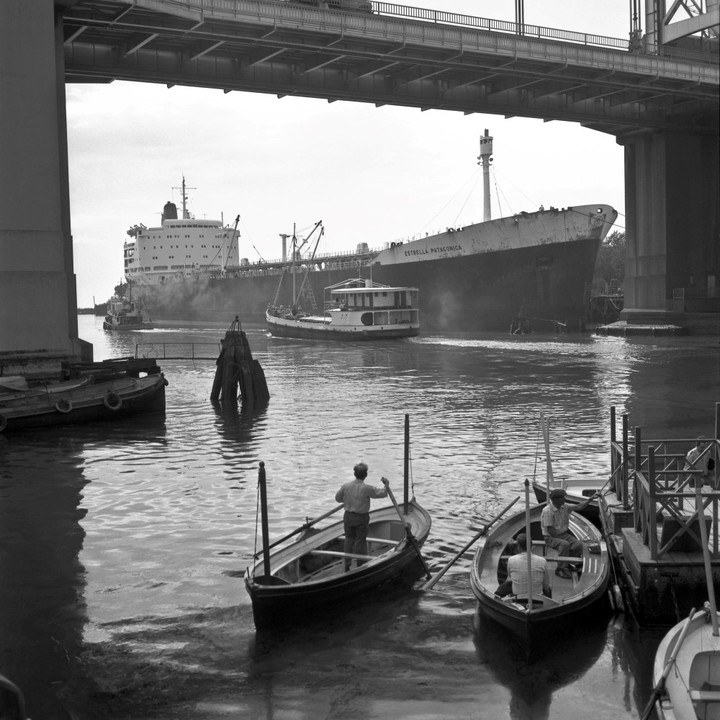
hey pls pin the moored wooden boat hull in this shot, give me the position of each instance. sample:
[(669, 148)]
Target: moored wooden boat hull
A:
[(692, 687), (575, 600), (293, 593), (79, 402)]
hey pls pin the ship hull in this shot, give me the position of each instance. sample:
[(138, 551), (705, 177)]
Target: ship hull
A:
[(531, 271)]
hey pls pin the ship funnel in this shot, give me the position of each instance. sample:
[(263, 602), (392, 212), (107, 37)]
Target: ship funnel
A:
[(169, 211)]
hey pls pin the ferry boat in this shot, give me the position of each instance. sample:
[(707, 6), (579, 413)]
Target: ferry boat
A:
[(531, 270), (357, 310)]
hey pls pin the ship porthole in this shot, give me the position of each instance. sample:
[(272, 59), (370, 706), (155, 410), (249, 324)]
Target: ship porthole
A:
[(112, 401), (63, 405), (3, 423)]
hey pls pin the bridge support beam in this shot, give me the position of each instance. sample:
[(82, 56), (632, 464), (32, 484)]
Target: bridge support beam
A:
[(38, 303), (672, 267)]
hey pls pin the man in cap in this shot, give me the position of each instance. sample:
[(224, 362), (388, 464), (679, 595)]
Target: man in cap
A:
[(355, 496), (555, 523)]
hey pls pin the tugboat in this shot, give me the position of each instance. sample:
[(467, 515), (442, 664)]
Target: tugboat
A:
[(122, 314)]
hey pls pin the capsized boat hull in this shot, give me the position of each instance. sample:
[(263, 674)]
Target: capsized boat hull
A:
[(308, 575), (692, 687), (79, 401), (573, 601)]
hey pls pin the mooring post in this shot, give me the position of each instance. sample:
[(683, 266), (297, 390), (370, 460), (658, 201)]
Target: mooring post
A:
[(236, 367)]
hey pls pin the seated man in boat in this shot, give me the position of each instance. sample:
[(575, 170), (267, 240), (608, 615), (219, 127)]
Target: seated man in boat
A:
[(555, 522), (355, 496), (517, 568)]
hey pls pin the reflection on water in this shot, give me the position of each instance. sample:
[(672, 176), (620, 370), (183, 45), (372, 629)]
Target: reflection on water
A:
[(532, 684), (123, 543)]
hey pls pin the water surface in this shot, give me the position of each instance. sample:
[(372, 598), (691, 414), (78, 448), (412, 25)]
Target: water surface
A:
[(122, 545)]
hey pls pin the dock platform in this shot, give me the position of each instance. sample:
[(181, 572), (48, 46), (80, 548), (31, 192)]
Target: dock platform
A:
[(655, 537)]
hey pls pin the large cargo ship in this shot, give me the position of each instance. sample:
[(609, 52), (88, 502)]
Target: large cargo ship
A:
[(532, 270)]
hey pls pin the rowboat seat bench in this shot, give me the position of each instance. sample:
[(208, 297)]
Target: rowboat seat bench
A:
[(338, 553), (537, 600), (705, 696)]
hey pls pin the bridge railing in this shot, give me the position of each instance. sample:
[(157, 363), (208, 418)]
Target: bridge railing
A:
[(273, 8)]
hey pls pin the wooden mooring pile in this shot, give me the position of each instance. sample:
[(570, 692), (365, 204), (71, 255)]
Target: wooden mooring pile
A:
[(236, 369), (662, 519)]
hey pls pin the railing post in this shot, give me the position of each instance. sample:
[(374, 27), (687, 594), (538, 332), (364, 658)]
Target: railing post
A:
[(613, 479), (652, 519), (625, 479)]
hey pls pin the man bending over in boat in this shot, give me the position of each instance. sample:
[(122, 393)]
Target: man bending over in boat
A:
[(555, 522), (517, 568), (355, 496)]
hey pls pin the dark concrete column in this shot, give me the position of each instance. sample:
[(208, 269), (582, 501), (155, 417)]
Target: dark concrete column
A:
[(672, 226), (38, 304)]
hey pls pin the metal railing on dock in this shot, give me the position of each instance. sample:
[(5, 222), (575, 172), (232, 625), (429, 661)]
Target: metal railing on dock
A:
[(178, 351), (620, 462), (666, 487)]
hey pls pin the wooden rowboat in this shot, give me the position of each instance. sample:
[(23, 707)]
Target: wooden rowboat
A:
[(307, 575), (687, 669), (574, 600)]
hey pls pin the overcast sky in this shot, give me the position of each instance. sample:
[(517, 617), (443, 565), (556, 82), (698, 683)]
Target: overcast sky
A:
[(370, 174)]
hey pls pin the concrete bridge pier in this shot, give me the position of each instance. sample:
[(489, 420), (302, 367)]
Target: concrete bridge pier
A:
[(37, 283), (672, 266)]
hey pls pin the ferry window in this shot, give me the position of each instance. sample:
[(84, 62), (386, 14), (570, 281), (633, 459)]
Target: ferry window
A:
[(381, 318), (366, 318)]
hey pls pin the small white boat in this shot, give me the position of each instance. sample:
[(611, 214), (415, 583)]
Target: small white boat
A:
[(687, 669), (357, 309), (123, 314)]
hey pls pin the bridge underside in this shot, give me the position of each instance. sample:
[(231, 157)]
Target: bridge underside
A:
[(663, 110)]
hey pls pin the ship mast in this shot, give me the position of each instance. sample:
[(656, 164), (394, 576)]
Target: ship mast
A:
[(484, 159), (185, 213)]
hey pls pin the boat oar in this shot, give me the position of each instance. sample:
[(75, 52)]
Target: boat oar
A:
[(659, 689), (307, 525), (408, 532), (486, 527), (616, 597), (706, 558)]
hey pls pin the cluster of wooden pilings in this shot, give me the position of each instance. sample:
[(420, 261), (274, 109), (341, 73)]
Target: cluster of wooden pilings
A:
[(237, 370)]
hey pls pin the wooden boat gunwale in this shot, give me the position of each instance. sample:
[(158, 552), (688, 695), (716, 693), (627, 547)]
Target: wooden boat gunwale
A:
[(399, 552)]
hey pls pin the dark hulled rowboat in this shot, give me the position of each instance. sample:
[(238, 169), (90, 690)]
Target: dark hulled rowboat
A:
[(573, 600), (88, 399), (308, 575)]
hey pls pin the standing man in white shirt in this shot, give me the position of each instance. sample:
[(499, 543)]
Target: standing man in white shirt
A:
[(355, 496)]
